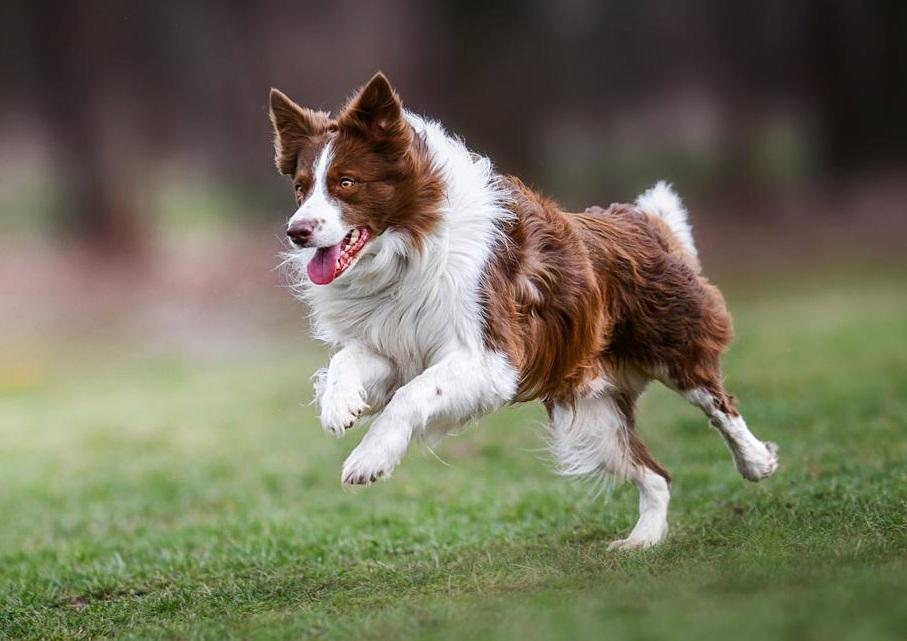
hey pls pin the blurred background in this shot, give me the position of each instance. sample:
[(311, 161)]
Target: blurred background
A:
[(160, 476), (138, 197)]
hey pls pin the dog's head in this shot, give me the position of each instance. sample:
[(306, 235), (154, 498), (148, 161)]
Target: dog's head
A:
[(356, 177)]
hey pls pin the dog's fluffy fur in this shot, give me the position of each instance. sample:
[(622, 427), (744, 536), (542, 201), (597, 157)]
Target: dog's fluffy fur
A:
[(450, 290)]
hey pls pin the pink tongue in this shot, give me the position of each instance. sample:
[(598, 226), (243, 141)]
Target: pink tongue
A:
[(322, 266)]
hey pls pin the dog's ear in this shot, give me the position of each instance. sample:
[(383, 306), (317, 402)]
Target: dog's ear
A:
[(294, 126), (377, 113)]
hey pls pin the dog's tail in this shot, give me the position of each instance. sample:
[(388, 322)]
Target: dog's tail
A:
[(663, 202)]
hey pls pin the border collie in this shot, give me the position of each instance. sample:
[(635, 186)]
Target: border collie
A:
[(450, 290)]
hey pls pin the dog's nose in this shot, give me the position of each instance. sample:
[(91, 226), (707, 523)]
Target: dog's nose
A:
[(301, 231)]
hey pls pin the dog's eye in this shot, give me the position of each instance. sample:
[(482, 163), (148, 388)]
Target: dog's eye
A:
[(345, 182)]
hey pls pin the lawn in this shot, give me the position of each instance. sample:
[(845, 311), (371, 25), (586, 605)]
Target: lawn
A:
[(145, 496)]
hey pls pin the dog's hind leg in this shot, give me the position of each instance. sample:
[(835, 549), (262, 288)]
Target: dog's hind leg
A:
[(754, 459), (595, 436)]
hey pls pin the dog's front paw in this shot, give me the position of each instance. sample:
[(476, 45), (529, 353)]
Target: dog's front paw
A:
[(341, 407), (367, 464)]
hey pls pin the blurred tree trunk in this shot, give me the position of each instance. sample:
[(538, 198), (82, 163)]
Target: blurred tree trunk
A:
[(78, 55), (860, 93)]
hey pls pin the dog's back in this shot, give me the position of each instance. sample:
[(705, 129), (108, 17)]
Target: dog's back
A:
[(664, 316)]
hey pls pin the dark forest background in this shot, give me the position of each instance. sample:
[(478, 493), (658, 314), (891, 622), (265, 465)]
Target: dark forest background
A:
[(129, 128)]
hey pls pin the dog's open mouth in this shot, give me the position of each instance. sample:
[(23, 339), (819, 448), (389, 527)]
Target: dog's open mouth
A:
[(329, 262)]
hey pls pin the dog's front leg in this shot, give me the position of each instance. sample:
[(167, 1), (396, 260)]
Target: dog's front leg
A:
[(461, 386), (356, 382)]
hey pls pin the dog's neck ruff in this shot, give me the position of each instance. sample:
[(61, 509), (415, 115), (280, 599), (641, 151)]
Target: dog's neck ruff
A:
[(417, 304)]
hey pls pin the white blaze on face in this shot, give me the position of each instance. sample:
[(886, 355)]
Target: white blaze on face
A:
[(319, 208)]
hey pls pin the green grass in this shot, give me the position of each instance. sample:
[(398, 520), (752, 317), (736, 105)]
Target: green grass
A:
[(166, 498)]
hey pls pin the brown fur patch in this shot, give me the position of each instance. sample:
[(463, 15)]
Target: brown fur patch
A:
[(298, 132), (639, 453), (543, 303), (572, 296), (663, 313)]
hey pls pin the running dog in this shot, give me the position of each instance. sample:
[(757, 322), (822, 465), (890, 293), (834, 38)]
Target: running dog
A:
[(450, 290)]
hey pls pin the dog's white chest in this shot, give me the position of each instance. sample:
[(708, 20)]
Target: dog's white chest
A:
[(414, 327)]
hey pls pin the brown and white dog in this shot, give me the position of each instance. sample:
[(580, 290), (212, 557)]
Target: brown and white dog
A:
[(451, 290)]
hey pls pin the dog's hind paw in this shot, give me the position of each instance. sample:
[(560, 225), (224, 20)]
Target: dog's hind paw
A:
[(631, 543), (759, 463)]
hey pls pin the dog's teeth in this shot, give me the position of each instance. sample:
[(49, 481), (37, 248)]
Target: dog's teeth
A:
[(354, 236)]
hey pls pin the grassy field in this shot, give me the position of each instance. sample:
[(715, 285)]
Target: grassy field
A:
[(163, 498)]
